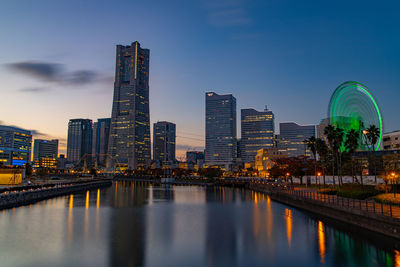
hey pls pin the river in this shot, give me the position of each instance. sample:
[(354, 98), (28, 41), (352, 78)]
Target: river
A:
[(138, 224)]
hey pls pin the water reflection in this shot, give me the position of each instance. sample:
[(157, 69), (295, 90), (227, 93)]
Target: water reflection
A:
[(140, 224), (321, 241), (289, 225)]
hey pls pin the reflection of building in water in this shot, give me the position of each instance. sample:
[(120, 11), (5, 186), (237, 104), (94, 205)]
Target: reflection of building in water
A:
[(220, 194), (221, 236), (163, 192), (128, 229)]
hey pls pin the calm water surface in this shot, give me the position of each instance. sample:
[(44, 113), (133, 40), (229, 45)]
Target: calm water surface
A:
[(137, 224)]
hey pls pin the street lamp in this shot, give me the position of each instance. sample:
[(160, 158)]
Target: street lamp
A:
[(319, 178), (393, 174)]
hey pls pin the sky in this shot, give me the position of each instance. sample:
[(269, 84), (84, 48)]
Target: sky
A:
[(288, 55)]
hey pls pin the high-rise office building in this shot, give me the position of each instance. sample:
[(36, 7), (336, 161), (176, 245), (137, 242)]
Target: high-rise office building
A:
[(221, 148), (15, 146), (45, 153), (257, 132), (79, 142), (164, 136), (292, 138), (101, 135), (130, 122)]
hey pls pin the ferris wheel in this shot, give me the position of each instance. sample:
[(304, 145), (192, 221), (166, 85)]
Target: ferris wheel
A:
[(352, 106)]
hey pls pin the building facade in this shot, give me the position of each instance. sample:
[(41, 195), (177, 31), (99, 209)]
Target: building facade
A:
[(264, 159), (79, 141), (221, 147), (164, 143), (45, 153), (194, 156), (15, 146), (292, 136), (101, 135), (321, 128), (129, 141), (258, 129), (391, 141)]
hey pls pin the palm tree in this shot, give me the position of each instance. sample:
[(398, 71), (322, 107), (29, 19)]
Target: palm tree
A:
[(372, 134), (351, 145), (338, 141), (312, 145), (330, 132), (322, 151)]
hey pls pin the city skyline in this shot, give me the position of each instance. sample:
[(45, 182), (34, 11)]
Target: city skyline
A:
[(276, 69)]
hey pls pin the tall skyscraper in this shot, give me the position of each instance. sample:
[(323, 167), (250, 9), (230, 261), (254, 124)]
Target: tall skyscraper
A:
[(164, 135), (101, 135), (221, 148), (292, 138), (257, 132), (45, 153), (15, 146), (79, 140), (130, 122)]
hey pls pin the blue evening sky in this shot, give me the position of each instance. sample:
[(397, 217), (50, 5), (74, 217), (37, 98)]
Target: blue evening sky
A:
[(289, 55)]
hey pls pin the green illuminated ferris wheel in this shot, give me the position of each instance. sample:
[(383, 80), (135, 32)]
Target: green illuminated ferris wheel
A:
[(352, 106)]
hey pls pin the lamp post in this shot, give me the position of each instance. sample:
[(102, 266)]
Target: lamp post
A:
[(319, 177), (393, 175)]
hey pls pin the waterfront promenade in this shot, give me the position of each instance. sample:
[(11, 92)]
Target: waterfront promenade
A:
[(367, 214), (22, 195)]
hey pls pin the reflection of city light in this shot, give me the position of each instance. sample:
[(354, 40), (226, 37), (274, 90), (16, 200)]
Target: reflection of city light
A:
[(87, 200), (71, 201), (396, 258), (98, 198), (289, 225), (255, 199), (321, 241), (269, 218), (70, 219)]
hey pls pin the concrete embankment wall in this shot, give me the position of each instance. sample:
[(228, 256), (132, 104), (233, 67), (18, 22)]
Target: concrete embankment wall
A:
[(376, 223), (20, 198)]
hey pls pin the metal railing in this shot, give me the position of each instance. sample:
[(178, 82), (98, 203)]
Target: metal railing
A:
[(366, 206)]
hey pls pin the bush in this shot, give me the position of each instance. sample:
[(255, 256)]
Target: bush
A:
[(328, 191), (357, 194)]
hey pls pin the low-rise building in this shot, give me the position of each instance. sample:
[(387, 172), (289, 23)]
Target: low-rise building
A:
[(264, 160), (391, 140)]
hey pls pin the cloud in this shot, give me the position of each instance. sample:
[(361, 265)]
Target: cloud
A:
[(34, 90), (41, 70), (227, 13), (56, 73)]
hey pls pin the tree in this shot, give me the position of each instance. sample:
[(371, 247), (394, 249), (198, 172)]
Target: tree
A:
[(372, 133), (351, 145), (211, 173), (330, 132), (338, 141), (312, 145), (322, 151)]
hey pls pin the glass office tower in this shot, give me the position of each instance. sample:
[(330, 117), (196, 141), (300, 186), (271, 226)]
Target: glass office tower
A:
[(257, 132), (79, 143), (164, 135), (292, 138), (129, 142), (221, 148)]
